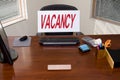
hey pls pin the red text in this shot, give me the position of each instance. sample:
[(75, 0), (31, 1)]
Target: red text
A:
[(57, 21)]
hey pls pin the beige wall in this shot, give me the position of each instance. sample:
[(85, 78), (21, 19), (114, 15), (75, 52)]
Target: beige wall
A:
[(102, 27), (88, 24)]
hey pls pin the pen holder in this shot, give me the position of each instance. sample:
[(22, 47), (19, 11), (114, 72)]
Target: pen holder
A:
[(101, 53)]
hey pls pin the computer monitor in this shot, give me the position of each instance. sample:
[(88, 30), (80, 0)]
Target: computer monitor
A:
[(7, 55)]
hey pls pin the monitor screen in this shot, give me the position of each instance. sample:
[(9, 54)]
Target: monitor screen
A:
[(7, 55)]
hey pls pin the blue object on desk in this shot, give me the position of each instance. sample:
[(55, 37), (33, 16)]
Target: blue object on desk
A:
[(84, 48)]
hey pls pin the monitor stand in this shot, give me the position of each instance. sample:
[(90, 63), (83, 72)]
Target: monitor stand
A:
[(13, 55)]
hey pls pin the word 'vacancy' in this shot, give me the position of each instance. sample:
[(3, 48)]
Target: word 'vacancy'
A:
[(57, 21)]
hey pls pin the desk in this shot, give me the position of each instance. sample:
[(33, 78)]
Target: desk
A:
[(32, 63)]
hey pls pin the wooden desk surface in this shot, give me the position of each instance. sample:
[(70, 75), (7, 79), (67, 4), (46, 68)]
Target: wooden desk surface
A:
[(32, 63)]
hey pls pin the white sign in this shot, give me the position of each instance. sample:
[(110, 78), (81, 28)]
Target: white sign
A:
[(59, 21)]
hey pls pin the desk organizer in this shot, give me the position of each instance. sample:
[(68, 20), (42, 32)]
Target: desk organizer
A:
[(101, 52), (113, 57)]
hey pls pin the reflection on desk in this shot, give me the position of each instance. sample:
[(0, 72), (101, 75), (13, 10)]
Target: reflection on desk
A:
[(33, 60)]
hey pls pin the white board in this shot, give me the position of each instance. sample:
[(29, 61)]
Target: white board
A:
[(59, 21)]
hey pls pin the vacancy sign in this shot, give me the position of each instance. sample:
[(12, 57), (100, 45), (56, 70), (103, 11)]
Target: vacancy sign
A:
[(59, 21)]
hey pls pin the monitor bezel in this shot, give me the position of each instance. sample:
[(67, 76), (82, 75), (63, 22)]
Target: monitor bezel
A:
[(7, 55)]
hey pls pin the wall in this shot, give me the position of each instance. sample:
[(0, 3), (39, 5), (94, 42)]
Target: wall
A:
[(102, 27), (29, 27)]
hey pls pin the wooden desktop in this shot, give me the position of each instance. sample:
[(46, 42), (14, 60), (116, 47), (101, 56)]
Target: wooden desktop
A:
[(33, 61)]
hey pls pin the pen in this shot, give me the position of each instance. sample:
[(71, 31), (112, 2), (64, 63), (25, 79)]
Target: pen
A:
[(101, 46)]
